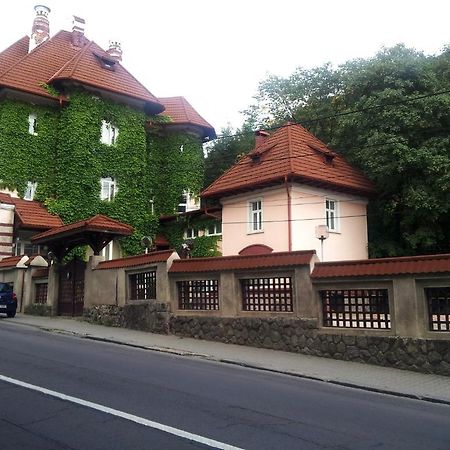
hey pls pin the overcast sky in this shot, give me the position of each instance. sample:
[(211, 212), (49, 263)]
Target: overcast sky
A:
[(214, 52)]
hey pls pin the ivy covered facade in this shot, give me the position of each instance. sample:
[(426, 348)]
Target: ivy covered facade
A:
[(103, 145)]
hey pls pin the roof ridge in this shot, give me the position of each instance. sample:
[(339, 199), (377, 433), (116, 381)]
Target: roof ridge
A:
[(17, 62), (290, 150), (183, 102), (35, 50), (76, 59)]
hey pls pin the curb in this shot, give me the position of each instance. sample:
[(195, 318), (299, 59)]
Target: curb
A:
[(186, 353)]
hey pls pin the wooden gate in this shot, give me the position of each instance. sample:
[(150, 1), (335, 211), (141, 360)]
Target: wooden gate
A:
[(71, 288)]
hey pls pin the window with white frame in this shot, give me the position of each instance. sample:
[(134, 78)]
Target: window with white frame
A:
[(110, 133), (30, 190), (191, 233), (107, 251), (255, 216), (331, 213), (188, 202), (26, 248), (32, 124), (215, 229), (108, 188)]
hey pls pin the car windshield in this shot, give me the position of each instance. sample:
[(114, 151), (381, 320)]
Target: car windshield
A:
[(5, 287)]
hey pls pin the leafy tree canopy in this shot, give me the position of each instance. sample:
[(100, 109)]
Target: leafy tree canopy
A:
[(390, 116)]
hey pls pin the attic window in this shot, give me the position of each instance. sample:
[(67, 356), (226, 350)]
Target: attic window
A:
[(327, 154), (256, 158), (105, 62)]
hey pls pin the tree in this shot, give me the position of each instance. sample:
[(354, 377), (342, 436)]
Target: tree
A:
[(390, 116)]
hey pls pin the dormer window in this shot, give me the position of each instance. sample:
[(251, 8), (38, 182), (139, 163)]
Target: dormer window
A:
[(109, 189), (110, 133), (30, 191), (106, 62), (32, 124)]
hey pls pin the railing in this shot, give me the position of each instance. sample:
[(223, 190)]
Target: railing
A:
[(40, 295), (438, 308), (143, 285), (198, 295), (267, 294), (356, 308)]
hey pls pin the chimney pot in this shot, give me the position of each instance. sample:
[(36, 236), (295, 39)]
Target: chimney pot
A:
[(260, 137), (78, 25), (115, 50), (40, 30)]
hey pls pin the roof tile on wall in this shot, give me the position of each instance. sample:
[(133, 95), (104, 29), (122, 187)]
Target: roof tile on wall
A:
[(238, 262), (408, 265)]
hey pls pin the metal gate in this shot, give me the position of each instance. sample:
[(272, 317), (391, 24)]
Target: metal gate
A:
[(71, 288)]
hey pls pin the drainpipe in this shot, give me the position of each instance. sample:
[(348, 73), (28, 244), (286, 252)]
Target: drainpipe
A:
[(289, 205)]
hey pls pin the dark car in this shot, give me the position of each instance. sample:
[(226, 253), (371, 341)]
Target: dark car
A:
[(8, 300)]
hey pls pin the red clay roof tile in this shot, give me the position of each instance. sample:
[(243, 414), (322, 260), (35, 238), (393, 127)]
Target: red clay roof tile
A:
[(95, 223), (137, 260), (237, 262), (293, 152), (182, 113), (57, 59), (33, 215), (13, 54), (10, 261), (408, 265)]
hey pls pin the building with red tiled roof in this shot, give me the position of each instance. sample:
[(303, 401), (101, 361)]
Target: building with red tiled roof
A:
[(76, 132), (293, 193)]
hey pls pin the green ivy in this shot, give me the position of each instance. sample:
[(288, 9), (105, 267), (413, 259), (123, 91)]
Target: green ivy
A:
[(67, 160), (202, 246)]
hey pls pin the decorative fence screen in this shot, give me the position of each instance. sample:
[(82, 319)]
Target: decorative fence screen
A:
[(267, 294), (356, 308), (198, 294), (41, 293), (438, 308), (143, 285)]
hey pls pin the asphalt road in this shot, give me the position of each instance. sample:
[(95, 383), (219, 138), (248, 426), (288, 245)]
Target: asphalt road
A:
[(231, 405)]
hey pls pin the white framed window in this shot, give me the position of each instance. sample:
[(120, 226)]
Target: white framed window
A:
[(108, 189), (152, 205), (107, 251), (32, 124), (215, 229), (26, 248), (255, 219), (30, 190), (191, 233), (188, 202), (331, 214), (110, 133)]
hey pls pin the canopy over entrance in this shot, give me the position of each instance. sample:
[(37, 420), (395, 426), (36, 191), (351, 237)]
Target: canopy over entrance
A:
[(97, 232)]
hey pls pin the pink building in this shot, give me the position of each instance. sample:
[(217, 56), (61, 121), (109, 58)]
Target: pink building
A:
[(289, 191)]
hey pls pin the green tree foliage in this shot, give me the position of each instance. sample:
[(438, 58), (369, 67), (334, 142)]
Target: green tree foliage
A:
[(224, 152), (383, 114)]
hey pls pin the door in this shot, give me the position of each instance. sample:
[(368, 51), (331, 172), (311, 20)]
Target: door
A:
[(71, 288)]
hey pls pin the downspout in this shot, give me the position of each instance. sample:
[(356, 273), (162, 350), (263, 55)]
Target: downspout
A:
[(289, 205)]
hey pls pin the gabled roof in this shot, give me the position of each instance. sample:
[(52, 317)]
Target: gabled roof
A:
[(33, 215), (238, 262), (383, 266), (96, 223), (57, 59), (182, 113), (294, 153)]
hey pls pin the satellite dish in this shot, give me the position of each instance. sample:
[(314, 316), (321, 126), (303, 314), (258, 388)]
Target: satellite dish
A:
[(147, 243)]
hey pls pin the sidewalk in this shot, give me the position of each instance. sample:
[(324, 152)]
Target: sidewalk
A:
[(404, 383)]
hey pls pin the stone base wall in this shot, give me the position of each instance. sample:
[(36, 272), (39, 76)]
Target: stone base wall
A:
[(152, 317), (303, 336), (38, 309)]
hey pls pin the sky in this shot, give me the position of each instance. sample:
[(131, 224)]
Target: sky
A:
[(215, 52)]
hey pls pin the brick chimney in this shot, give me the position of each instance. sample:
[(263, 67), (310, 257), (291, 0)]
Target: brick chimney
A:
[(260, 137), (115, 50), (40, 30), (78, 25)]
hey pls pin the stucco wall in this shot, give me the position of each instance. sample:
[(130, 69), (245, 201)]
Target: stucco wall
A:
[(307, 211)]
